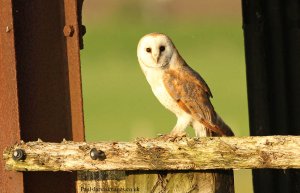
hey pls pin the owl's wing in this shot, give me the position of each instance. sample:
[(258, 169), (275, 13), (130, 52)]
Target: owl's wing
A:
[(192, 94)]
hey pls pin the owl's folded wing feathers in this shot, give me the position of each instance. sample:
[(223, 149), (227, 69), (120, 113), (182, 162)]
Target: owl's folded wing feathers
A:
[(192, 94)]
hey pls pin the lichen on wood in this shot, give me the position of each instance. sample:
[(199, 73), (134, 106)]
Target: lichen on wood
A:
[(280, 152)]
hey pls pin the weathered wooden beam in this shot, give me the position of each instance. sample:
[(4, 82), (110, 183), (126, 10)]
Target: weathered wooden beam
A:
[(280, 152), (209, 181)]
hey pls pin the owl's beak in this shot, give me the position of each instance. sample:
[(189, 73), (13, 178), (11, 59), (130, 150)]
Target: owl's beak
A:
[(156, 57)]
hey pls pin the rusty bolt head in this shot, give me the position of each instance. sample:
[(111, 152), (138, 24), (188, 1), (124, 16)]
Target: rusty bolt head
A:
[(19, 154), (68, 30)]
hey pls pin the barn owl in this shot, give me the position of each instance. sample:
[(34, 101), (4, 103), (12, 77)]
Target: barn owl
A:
[(178, 87)]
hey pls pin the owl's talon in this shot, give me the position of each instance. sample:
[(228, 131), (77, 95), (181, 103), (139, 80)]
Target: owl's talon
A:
[(172, 137)]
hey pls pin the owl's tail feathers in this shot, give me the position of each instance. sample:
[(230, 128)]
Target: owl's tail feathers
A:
[(220, 128)]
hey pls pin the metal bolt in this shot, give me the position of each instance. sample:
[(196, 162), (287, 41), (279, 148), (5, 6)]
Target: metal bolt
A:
[(69, 30), (97, 154), (82, 30), (7, 29), (19, 154)]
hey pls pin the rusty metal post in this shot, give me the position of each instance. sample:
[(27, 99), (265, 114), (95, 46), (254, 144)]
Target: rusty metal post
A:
[(74, 43), (40, 84), (9, 114)]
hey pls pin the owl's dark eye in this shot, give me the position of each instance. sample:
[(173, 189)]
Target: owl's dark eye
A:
[(162, 48), (148, 50)]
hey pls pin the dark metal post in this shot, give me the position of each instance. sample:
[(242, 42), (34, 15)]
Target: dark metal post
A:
[(272, 46)]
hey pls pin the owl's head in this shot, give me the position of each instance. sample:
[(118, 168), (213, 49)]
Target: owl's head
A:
[(155, 50)]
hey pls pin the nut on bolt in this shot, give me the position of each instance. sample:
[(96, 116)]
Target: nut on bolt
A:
[(97, 154), (83, 30), (18, 155), (69, 30)]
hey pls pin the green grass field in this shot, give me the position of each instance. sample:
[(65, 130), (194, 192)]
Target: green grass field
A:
[(118, 102)]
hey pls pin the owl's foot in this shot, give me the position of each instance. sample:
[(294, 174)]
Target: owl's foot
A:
[(172, 137)]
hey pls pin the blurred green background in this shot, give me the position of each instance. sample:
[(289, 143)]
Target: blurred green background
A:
[(118, 102)]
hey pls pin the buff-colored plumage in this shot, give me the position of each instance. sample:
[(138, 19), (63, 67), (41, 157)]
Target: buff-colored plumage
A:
[(178, 87)]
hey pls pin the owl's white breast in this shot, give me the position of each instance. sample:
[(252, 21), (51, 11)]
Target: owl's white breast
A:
[(155, 79)]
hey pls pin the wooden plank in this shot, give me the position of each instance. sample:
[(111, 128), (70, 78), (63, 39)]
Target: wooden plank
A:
[(9, 119), (279, 152), (156, 181)]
